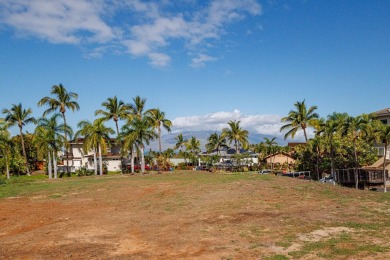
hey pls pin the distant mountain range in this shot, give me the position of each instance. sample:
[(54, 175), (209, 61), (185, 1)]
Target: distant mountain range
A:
[(168, 140)]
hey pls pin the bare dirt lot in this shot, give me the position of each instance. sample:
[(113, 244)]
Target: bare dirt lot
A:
[(192, 215)]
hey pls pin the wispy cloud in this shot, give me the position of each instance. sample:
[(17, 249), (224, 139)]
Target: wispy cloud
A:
[(141, 28)]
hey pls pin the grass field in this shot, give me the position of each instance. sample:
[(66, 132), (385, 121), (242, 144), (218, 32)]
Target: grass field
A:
[(190, 214)]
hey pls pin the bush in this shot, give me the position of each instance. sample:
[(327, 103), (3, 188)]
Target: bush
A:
[(83, 171)]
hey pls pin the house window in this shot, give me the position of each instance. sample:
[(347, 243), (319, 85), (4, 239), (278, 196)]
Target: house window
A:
[(384, 121), (381, 151)]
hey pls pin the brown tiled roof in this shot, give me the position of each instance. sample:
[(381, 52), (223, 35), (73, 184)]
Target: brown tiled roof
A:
[(382, 112)]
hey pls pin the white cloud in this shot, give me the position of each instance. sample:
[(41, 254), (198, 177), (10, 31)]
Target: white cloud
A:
[(201, 60), (143, 28), (259, 124), (60, 21)]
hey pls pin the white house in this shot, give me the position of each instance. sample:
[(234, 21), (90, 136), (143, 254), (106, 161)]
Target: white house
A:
[(77, 158), (384, 116)]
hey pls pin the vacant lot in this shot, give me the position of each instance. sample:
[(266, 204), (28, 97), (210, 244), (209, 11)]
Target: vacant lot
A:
[(191, 215)]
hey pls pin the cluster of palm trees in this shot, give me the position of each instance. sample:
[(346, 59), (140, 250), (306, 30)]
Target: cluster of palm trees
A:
[(337, 137), (50, 137), (333, 140)]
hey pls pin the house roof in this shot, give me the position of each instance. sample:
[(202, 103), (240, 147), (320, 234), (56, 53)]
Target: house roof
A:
[(285, 154), (383, 112)]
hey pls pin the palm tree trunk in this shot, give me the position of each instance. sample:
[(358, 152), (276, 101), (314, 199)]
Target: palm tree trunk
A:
[(304, 132), (94, 161), (132, 160), (55, 165), (100, 161), (384, 168), (117, 136), (6, 166), (66, 145), (159, 139), (49, 168), (24, 152), (142, 159)]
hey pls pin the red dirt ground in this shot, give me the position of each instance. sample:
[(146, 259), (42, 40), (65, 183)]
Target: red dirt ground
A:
[(162, 217)]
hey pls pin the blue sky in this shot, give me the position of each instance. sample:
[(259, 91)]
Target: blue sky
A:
[(202, 62)]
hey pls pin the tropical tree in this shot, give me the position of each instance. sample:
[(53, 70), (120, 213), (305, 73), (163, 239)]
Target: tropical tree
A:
[(271, 144), (354, 127), (180, 141), (140, 132), (20, 117), (63, 100), (193, 146), (5, 146), (158, 121), (216, 142), (114, 109), (137, 108), (50, 137), (299, 119), (96, 138), (328, 129), (236, 134)]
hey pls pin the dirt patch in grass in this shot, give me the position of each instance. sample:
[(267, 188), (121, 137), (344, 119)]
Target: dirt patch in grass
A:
[(194, 216)]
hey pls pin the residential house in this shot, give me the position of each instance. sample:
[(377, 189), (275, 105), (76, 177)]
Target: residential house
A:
[(78, 158), (384, 116)]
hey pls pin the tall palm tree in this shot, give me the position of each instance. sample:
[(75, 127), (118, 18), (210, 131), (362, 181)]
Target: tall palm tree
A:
[(20, 117), (52, 135), (96, 137), (137, 108), (270, 143), (328, 129), (139, 131), (385, 137), (63, 100), (299, 119), (5, 145), (114, 109), (158, 121), (355, 127), (216, 142), (236, 134)]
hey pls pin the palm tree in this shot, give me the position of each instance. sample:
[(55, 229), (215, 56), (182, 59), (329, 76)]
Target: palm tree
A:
[(216, 142), (5, 145), (299, 119), (328, 129), (96, 137), (20, 117), (385, 137), (193, 146), (236, 134), (158, 120), (137, 109), (48, 134), (140, 132), (180, 141), (114, 110), (63, 100), (270, 143), (354, 127)]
